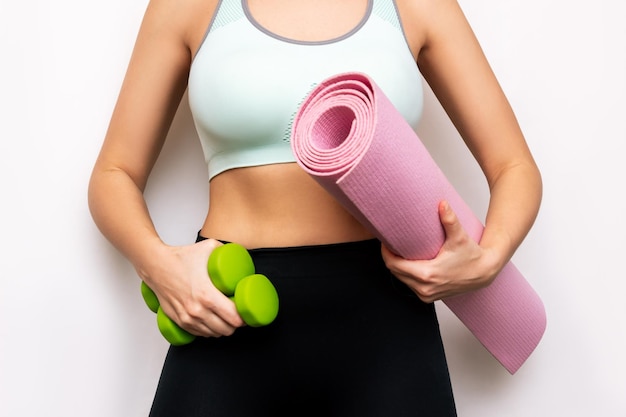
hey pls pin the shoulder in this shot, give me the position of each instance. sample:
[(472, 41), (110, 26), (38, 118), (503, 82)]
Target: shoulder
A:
[(182, 20), (426, 20), (177, 11)]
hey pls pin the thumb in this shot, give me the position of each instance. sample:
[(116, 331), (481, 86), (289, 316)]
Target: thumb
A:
[(449, 220)]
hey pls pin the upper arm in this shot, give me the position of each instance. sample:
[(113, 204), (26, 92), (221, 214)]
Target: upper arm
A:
[(155, 81), (456, 69)]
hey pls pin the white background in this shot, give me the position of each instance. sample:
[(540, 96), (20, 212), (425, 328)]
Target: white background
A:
[(75, 337)]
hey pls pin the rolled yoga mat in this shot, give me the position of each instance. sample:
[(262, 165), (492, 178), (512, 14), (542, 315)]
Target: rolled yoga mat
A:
[(350, 138)]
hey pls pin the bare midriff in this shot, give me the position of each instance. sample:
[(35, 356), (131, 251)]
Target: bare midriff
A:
[(276, 205)]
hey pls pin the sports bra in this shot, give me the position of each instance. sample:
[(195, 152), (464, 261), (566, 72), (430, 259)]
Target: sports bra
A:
[(246, 83)]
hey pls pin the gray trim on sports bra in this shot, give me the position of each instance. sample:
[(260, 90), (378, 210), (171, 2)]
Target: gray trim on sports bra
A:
[(399, 20), (255, 23)]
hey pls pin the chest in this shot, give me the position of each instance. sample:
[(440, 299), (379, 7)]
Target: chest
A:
[(307, 20), (248, 79)]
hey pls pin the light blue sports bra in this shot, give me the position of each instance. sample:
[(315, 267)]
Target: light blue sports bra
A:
[(246, 83)]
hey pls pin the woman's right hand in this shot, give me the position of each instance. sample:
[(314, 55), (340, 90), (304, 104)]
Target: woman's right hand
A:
[(178, 276)]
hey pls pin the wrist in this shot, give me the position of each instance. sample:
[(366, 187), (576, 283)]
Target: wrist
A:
[(150, 258), (498, 252)]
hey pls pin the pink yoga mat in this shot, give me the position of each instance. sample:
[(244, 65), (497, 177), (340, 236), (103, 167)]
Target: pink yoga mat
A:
[(351, 139)]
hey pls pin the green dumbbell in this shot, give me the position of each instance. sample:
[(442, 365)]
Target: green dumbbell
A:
[(232, 271), (171, 331)]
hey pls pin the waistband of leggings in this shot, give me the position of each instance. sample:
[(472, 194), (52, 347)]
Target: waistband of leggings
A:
[(358, 245)]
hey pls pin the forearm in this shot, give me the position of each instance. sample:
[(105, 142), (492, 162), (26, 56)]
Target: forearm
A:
[(515, 199), (120, 212)]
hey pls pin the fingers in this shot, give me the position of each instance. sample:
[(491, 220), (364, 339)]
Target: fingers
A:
[(451, 272), (189, 298), (211, 320), (212, 316), (417, 275)]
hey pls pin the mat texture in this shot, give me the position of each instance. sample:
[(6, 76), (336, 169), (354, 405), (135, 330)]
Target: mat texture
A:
[(351, 139)]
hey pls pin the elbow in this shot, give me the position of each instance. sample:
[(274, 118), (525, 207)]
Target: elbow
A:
[(100, 188), (537, 180), (94, 191)]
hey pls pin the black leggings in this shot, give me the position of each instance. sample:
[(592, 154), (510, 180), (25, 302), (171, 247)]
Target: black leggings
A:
[(349, 340)]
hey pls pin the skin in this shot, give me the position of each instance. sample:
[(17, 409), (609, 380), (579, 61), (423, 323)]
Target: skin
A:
[(279, 205)]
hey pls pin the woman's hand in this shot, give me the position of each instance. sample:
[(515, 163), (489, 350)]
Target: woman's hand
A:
[(179, 278), (461, 265)]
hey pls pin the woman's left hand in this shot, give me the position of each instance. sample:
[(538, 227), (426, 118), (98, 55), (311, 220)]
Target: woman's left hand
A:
[(461, 265)]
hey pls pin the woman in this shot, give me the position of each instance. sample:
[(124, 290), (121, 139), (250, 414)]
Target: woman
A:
[(357, 333)]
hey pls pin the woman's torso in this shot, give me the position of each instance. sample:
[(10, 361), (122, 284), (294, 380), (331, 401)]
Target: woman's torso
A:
[(278, 204)]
